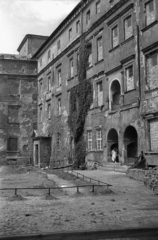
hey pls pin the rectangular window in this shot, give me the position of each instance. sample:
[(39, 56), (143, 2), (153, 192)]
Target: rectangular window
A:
[(13, 144), (49, 54), (71, 68), (100, 49), (59, 106), (128, 27), (40, 114), (89, 52), (98, 7), (99, 94), (70, 33), (59, 46), (77, 61), (88, 16), (129, 78), (49, 83), (59, 77), (78, 26), (115, 36), (49, 111), (152, 69), (150, 12), (89, 140), (99, 139), (13, 114)]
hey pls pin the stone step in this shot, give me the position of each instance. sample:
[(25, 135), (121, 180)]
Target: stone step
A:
[(116, 167)]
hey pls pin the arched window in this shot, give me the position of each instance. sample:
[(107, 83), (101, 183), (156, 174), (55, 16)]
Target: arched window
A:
[(115, 94)]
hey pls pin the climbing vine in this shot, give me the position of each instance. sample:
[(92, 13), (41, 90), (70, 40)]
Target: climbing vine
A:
[(81, 97)]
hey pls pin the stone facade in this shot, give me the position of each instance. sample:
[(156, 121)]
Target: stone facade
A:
[(18, 104), (122, 66)]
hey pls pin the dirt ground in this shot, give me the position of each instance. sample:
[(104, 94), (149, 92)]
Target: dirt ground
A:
[(128, 205)]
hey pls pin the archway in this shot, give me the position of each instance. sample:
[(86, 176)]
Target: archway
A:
[(131, 144), (115, 92), (112, 140)]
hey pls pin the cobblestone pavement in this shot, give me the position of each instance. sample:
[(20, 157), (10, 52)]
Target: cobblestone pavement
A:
[(131, 205)]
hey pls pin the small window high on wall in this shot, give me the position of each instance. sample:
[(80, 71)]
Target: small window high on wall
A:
[(89, 140)]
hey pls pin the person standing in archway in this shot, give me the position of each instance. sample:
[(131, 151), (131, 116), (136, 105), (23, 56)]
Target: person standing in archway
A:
[(113, 157)]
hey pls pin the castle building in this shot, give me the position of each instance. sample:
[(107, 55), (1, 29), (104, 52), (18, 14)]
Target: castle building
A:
[(122, 42)]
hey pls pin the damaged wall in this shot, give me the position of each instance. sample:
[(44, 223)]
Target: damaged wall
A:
[(18, 108)]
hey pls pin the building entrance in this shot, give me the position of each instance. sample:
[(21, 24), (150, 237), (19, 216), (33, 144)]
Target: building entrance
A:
[(112, 140)]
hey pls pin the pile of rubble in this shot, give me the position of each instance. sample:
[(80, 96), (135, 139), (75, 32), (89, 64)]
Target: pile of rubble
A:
[(151, 179)]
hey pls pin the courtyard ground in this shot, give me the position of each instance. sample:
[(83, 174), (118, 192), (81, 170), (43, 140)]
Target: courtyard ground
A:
[(129, 204)]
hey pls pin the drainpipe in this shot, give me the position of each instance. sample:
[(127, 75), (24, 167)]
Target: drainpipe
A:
[(139, 67)]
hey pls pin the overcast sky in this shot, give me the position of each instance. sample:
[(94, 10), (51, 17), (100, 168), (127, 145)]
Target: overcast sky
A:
[(21, 17)]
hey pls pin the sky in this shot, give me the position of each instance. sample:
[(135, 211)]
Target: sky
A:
[(21, 17)]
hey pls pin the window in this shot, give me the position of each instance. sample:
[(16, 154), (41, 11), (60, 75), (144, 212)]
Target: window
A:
[(129, 78), (71, 68), (49, 54), (59, 77), (99, 94), (99, 139), (59, 46), (150, 12), (49, 111), (13, 114), (89, 53), (88, 16), (49, 83), (77, 61), (40, 114), (70, 33), (13, 144), (128, 31), (58, 140), (100, 49), (78, 26), (98, 7), (115, 37), (152, 69), (59, 106), (89, 140)]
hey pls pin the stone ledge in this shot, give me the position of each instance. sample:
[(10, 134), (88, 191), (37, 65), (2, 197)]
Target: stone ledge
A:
[(137, 174)]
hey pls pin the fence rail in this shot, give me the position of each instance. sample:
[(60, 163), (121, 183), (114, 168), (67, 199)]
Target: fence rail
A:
[(49, 189)]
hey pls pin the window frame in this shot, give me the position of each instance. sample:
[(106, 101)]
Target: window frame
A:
[(98, 4), (98, 83), (98, 39), (71, 67), (126, 66), (13, 107), (116, 25), (59, 106), (88, 17), (40, 114), (89, 64), (128, 15), (148, 55), (59, 82), (99, 147), (145, 10), (70, 33), (78, 25), (49, 110), (89, 140)]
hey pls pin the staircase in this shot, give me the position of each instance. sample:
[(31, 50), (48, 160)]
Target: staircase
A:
[(116, 167)]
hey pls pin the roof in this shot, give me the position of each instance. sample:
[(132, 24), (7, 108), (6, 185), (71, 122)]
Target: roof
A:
[(30, 36), (58, 28)]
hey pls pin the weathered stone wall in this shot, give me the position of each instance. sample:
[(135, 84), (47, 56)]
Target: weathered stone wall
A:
[(18, 101)]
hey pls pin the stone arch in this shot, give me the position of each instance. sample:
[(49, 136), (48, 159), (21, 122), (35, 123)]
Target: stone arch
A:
[(112, 140), (115, 94), (130, 144)]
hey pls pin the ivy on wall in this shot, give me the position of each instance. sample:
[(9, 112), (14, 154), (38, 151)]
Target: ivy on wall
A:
[(81, 97)]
